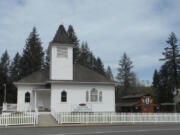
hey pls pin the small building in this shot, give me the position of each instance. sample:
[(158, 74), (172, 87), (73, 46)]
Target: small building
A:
[(65, 87), (138, 103)]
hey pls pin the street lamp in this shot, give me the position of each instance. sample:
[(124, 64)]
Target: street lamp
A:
[(4, 93)]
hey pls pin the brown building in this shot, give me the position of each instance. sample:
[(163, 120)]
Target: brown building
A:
[(138, 103)]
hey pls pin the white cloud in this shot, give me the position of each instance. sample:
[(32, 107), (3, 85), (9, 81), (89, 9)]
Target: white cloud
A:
[(137, 27)]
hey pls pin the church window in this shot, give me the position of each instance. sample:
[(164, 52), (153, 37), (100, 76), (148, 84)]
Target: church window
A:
[(27, 97), (94, 95), (63, 96)]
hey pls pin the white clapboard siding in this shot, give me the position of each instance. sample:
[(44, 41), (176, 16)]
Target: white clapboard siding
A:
[(26, 118), (100, 117)]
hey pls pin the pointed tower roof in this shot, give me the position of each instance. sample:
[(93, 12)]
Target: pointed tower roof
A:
[(61, 36)]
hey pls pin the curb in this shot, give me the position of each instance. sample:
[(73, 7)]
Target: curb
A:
[(83, 125), (65, 125)]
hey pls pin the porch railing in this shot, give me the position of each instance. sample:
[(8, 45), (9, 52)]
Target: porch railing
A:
[(9, 107), (66, 117)]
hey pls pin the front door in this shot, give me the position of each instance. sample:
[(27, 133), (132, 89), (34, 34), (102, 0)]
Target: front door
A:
[(43, 100)]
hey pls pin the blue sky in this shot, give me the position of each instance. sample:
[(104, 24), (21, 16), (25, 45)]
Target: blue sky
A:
[(111, 27)]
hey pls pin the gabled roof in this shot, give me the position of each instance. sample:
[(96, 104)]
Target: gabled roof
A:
[(40, 76), (61, 36), (81, 74)]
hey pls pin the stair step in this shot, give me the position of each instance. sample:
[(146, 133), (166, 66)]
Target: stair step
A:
[(47, 120)]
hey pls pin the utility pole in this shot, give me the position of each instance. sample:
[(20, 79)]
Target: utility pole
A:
[(4, 93)]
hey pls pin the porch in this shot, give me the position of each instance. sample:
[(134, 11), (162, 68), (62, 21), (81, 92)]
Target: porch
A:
[(41, 100)]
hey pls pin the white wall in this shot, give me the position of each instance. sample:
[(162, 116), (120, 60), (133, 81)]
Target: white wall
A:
[(61, 68), (76, 94), (42, 99), (21, 105)]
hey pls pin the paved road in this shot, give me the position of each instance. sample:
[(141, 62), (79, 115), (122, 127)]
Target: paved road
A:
[(163, 129)]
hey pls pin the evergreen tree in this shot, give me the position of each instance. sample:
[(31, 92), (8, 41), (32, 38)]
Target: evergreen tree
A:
[(84, 54), (100, 66), (33, 55), (91, 61), (172, 57), (165, 88), (88, 59), (109, 74), (156, 83), (47, 59), (4, 72), (76, 51), (125, 76), (15, 68), (156, 79)]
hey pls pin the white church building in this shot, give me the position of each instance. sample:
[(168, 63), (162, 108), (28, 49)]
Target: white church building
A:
[(65, 87)]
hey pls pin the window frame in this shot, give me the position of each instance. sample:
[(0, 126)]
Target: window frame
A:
[(27, 98), (94, 96), (63, 97)]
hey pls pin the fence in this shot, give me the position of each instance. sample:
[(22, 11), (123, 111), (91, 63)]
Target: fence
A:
[(63, 118), (26, 118)]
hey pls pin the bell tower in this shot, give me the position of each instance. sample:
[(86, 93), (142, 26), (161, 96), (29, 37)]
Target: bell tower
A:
[(61, 53)]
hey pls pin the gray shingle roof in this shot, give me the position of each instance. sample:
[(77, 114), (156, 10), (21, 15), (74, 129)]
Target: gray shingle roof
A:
[(80, 74), (61, 36), (40, 76)]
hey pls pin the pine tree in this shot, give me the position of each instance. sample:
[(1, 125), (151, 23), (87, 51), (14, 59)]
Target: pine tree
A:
[(172, 57), (165, 88), (109, 74), (33, 55), (84, 54), (156, 78), (4, 72), (47, 59), (100, 67), (125, 76), (15, 68), (76, 51), (156, 82), (88, 59)]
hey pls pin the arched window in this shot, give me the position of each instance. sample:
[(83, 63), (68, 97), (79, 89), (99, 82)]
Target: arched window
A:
[(87, 96), (100, 96), (94, 95), (27, 97), (63, 96)]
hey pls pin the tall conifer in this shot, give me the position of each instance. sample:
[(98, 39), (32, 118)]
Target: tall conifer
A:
[(33, 55)]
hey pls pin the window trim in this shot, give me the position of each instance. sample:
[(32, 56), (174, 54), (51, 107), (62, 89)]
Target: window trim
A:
[(27, 98), (94, 95), (63, 92), (99, 95)]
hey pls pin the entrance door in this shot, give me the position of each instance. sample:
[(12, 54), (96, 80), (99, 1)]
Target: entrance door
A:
[(43, 100)]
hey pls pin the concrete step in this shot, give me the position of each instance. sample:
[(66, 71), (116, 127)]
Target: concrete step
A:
[(47, 120)]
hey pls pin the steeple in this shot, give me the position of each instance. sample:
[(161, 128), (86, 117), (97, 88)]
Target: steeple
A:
[(61, 36), (61, 50)]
